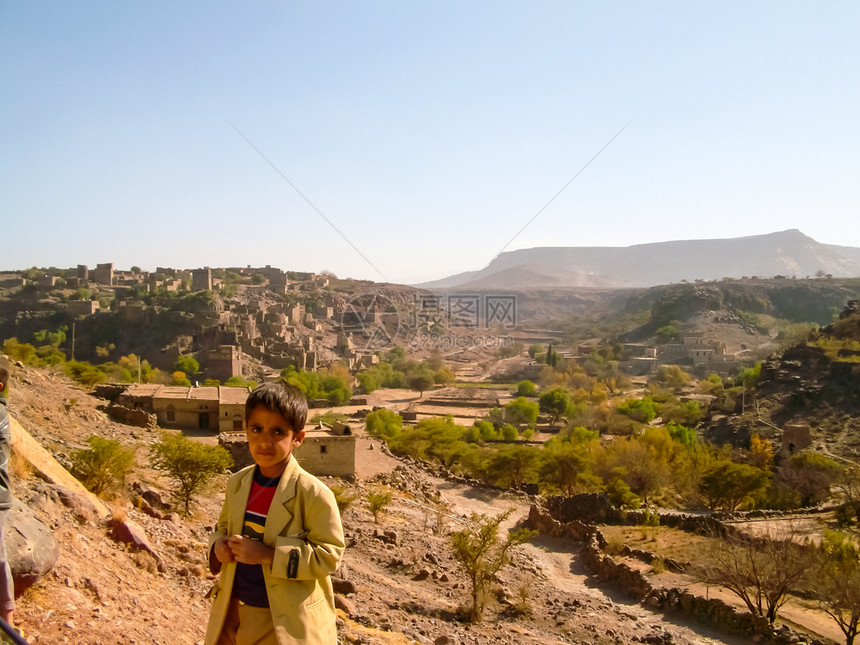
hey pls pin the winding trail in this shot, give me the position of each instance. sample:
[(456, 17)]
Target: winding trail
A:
[(559, 560)]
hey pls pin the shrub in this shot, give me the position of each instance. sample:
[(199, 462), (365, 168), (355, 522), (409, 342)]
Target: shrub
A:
[(377, 503), (103, 466), (614, 546), (342, 497), (521, 411), (179, 378), (482, 553), (189, 464), (84, 373), (526, 388), (187, 364), (238, 381), (384, 423), (522, 607)]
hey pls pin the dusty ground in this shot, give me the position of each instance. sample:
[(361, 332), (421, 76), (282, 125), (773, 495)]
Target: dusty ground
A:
[(407, 585)]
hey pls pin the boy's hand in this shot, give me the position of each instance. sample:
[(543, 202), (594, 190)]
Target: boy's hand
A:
[(249, 551), (222, 551)]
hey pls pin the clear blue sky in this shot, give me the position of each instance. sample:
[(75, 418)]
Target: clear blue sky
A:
[(428, 133)]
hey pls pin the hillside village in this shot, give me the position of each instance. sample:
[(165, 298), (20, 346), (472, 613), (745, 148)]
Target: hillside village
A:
[(462, 446), (255, 321)]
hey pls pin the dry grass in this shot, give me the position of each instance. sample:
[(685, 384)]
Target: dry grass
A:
[(658, 566), (118, 512), (661, 540), (19, 468)]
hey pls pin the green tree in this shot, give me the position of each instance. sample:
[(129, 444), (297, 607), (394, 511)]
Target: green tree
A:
[(104, 466), (811, 475), (568, 467), (619, 492), (554, 403), (521, 411), (526, 388), (673, 376), (444, 376), (727, 484), (421, 381), (342, 497), (643, 410), (84, 373), (240, 381), (24, 352), (513, 465), (482, 554), (667, 333), (643, 467), (367, 382), (552, 356), (384, 423), (187, 364), (534, 350), (189, 464)]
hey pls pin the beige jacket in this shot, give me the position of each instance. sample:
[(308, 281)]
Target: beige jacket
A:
[(303, 526)]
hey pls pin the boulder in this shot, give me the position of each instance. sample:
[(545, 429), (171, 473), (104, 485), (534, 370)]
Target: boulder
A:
[(342, 586), (152, 496), (344, 604), (31, 549), (132, 534), (81, 506)]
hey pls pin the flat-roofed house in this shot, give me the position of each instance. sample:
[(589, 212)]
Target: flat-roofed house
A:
[(325, 451), (231, 409), (328, 451), (215, 408)]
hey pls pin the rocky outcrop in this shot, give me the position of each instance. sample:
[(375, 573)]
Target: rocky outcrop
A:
[(31, 548), (48, 467)]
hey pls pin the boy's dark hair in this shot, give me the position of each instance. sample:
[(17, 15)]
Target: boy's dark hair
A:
[(287, 400)]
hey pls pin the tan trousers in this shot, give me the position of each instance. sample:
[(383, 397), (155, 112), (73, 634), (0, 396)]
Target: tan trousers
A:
[(246, 625)]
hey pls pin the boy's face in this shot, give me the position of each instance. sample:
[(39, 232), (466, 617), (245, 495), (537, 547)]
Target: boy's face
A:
[(271, 439)]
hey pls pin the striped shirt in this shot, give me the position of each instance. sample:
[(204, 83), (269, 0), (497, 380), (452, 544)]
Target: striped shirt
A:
[(249, 585)]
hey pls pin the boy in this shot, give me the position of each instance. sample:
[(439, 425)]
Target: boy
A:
[(278, 539), (7, 591)]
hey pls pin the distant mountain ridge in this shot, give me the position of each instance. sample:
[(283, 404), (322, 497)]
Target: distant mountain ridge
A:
[(788, 253)]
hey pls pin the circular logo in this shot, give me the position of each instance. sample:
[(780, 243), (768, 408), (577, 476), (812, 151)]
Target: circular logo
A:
[(373, 321)]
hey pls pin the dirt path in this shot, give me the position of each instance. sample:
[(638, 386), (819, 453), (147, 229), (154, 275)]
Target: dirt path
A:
[(559, 561)]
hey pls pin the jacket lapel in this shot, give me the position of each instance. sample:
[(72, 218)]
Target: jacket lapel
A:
[(279, 515), (236, 522)]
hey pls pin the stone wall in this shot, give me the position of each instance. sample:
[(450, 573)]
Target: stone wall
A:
[(131, 416), (711, 612)]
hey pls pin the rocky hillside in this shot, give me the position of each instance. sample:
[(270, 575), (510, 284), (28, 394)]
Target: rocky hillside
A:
[(812, 387), (398, 582)]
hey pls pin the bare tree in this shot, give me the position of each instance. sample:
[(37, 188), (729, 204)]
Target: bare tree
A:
[(837, 583), (761, 571), (848, 485)]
